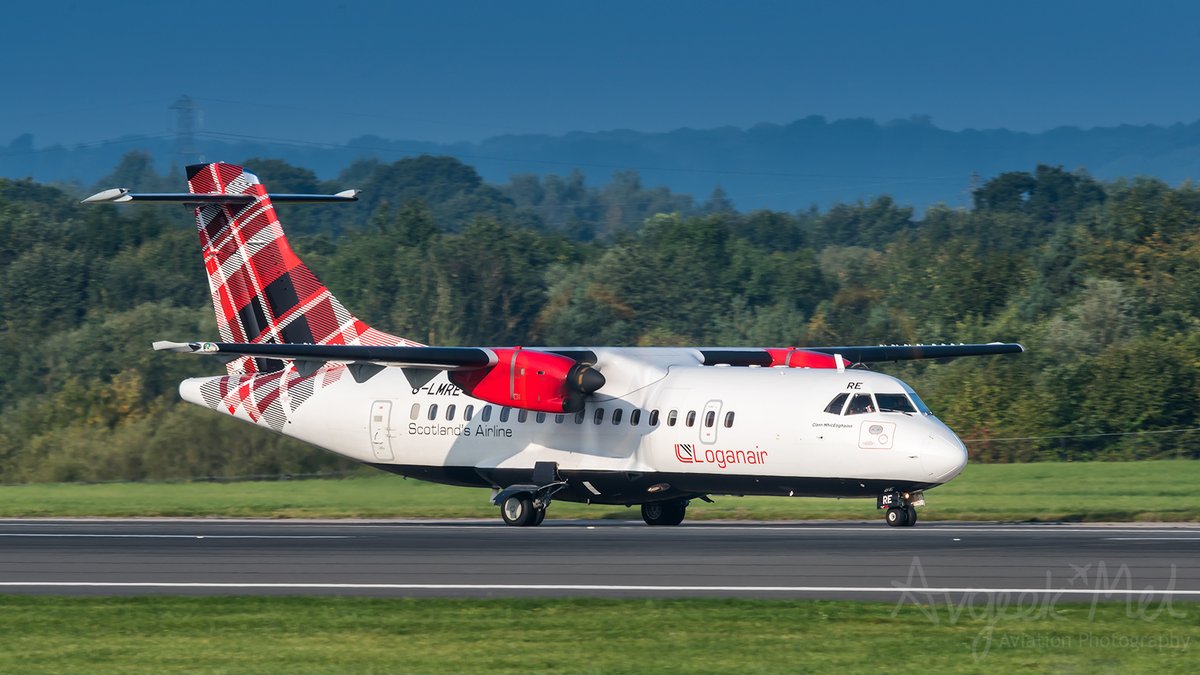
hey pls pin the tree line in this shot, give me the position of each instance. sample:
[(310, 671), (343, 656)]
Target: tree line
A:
[(1100, 281)]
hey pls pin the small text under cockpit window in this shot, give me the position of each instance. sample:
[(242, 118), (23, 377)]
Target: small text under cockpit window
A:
[(860, 404), (835, 406), (894, 403)]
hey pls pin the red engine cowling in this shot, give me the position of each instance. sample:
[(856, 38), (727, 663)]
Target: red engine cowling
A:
[(533, 380), (801, 358)]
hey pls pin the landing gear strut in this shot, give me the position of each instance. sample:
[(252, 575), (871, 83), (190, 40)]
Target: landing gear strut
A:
[(665, 513), (901, 507)]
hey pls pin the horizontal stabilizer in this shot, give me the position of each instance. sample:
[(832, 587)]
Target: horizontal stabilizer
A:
[(438, 358), (125, 196)]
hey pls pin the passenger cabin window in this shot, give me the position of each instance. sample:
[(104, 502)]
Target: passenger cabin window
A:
[(432, 412), (710, 418), (579, 417), (599, 416), (450, 413), (729, 420), (860, 404), (672, 417), (485, 415), (468, 413), (894, 403), (653, 418), (635, 416), (522, 416), (415, 412), (541, 417), (691, 418), (559, 419), (504, 413), (835, 406), (617, 416)]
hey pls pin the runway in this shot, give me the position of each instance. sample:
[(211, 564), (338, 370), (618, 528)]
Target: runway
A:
[(931, 562)]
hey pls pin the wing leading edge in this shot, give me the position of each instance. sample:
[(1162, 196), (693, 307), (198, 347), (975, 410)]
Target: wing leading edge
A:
[(439, 358)]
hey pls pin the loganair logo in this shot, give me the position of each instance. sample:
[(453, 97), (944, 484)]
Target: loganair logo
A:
[(688, 453)]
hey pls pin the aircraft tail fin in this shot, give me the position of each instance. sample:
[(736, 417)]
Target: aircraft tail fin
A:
[(261, 291)]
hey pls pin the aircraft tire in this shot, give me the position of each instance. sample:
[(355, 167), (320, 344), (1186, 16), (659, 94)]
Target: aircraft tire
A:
[(910, 515), (517, 510), (896, 517), (539, 516), (664, 513)]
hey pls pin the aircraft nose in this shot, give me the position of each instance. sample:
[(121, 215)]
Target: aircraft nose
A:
[(945, 457)]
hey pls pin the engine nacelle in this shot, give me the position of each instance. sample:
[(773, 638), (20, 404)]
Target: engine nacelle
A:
[(533, 380), (800, 358)]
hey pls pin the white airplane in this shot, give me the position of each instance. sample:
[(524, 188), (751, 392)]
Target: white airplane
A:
[(655, 427)]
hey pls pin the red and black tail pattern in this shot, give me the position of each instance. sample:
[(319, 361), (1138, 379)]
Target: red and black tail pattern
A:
[(261, 291)]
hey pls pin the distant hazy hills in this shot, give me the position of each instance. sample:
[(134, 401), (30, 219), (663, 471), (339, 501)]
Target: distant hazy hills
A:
[(792, 166)]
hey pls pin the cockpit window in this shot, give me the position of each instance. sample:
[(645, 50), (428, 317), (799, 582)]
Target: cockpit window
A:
[(860, 404), (912, 395), (894, 403), (835, 406)]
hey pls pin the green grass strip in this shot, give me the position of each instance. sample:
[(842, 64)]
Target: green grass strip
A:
[(1161, 490), (318, 635)]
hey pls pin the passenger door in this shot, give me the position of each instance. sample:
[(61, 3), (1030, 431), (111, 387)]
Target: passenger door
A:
[(709, 422), (381, 429)]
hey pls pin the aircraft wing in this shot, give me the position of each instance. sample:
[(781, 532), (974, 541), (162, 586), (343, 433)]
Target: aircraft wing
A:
[(825, 357), (436, 358), (882, 353)]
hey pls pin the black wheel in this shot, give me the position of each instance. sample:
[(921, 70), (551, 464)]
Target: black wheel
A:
[(517, 510), (910, 515), (897, 517), (664, 513), (539, 516)]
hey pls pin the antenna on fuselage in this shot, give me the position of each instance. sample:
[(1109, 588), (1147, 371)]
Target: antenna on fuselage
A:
[(841, 363)]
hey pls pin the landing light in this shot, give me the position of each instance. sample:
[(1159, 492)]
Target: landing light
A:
[(658, 487)]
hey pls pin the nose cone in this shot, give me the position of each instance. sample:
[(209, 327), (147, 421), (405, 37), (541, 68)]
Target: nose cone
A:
[(945, 457)]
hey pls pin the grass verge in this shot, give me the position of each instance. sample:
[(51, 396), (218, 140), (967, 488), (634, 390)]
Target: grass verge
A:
[(1095, 491), (313, 635)]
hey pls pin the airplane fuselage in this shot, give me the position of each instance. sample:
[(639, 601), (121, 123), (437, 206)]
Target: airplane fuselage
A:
[(666, 429)]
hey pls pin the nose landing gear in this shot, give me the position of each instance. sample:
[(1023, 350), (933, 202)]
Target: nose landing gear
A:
[(901, 507)]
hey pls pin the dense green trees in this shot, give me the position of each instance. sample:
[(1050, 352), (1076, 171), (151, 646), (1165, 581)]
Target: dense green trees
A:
[(1100, 281)]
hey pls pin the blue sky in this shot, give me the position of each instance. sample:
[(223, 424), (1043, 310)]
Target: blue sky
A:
[(445, 71)]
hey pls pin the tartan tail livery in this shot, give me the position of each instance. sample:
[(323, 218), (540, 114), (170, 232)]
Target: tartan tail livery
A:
[(261, 291)]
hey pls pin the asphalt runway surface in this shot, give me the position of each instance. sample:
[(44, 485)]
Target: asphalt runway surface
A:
[(932, 562)]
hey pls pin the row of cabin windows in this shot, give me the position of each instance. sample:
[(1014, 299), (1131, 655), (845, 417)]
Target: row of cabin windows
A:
[(618, 415)]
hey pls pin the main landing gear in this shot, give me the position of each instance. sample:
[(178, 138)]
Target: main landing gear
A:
[(525, 505), (665, 513), (901, 507), (520, 511)]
